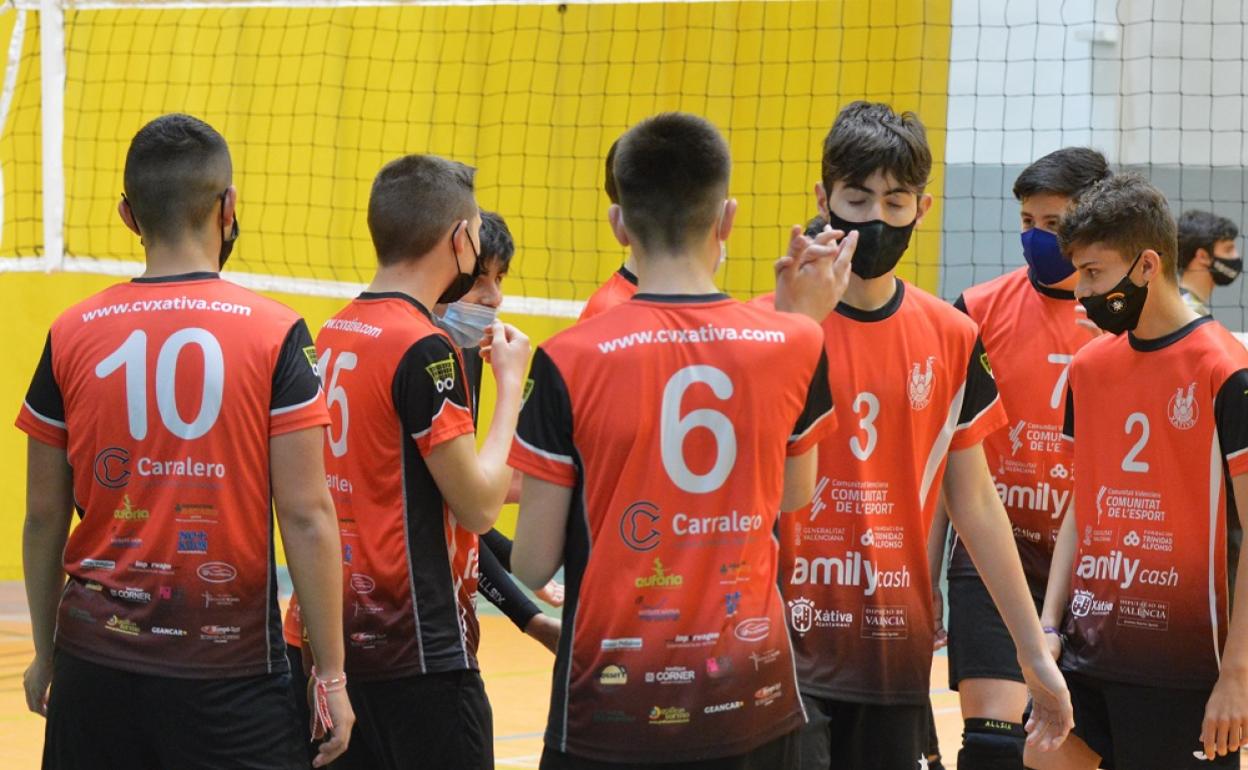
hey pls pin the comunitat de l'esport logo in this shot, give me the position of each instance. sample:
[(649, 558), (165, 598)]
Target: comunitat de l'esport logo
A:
[(642, 526)]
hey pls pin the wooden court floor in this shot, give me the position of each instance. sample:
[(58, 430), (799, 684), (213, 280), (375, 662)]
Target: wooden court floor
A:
[(516, 671)]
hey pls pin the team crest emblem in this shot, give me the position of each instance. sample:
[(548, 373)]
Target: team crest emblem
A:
[(1117, 302), (801, 614), (1182, 408), (919, 385)]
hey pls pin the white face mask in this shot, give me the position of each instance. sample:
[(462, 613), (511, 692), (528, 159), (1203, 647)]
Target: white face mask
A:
[(466, 322)]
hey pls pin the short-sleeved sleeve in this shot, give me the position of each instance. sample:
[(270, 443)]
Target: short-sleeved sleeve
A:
[(818, 417), (1230, 408), (42, 416), (982, 411), (296, 401), (431, 394), (543, 446)]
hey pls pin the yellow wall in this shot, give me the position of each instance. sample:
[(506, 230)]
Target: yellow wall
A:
[(314, 101)]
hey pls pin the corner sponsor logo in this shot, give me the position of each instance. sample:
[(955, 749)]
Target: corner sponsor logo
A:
[(112, 467), (639, 526), (134, 595), (671, 675), (216, 572), (753, 629)]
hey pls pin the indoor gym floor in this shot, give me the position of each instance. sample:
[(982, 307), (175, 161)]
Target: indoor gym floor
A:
[(516, 671)]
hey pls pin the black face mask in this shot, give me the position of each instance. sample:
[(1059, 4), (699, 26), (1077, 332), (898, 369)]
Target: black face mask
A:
[(464, 281), (227, 245), (1118, 310), (880, 245), (1225, 271)]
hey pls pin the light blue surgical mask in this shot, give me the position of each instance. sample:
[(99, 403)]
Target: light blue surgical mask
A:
[(466, 322)]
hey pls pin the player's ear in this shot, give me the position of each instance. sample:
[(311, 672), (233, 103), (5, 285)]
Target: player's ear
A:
[(615, 215), (1202, 259), (229, 200), (726, 218), (127, 216), (821, 200), (925, 205), (1150, 265)]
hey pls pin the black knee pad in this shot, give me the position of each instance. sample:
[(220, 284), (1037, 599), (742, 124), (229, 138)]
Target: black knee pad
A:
[(991, 744)]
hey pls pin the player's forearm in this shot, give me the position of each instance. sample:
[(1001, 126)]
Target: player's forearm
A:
[(43, 542), (1235, 655), (313, 553), (984, 528), (1057, 592)]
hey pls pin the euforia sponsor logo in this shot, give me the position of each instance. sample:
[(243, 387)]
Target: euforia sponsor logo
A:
[(659, 578), (127, 512)]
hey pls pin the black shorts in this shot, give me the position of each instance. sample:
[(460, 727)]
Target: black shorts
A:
[(980, 646), (842, 735), (780, 754), (423, 722), (104, 718), (1132, 726)]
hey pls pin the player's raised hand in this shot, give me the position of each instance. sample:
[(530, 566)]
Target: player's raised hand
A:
[(507, 352), (36, 681), (1225, 727), (812, 277), (1052, 717)]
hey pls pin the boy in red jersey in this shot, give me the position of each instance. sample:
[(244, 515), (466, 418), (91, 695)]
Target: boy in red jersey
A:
[(622, 284), (854, 566), (1142, 573), (658, 442), (167, 649), (1030, 331), (411, 490)]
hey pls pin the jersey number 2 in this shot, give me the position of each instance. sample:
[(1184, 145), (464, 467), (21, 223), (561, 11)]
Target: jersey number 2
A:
[(132, 356), (673, 429), (1129, 463)]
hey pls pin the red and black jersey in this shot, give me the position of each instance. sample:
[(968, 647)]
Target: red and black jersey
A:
[(854, 563), (165, 393), (1159, 429), (396, 390), (1030, 335), (618, 289), (671, 417)]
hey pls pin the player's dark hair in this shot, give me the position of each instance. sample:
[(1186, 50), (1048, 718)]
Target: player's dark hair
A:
[(497, 245), (1201, 230), (1125, 213), (177, 170), (1066, 172), (608, 183), (869, 137), (415, 202), (671, 173)]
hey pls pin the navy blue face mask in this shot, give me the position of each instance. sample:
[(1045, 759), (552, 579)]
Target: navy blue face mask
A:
[(1044, 256)]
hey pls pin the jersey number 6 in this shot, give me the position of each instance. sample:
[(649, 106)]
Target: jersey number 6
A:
[(673, 429)]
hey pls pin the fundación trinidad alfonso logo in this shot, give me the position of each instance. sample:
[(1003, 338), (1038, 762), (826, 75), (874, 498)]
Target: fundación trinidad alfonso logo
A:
[(919, 385), (1182, 409)]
